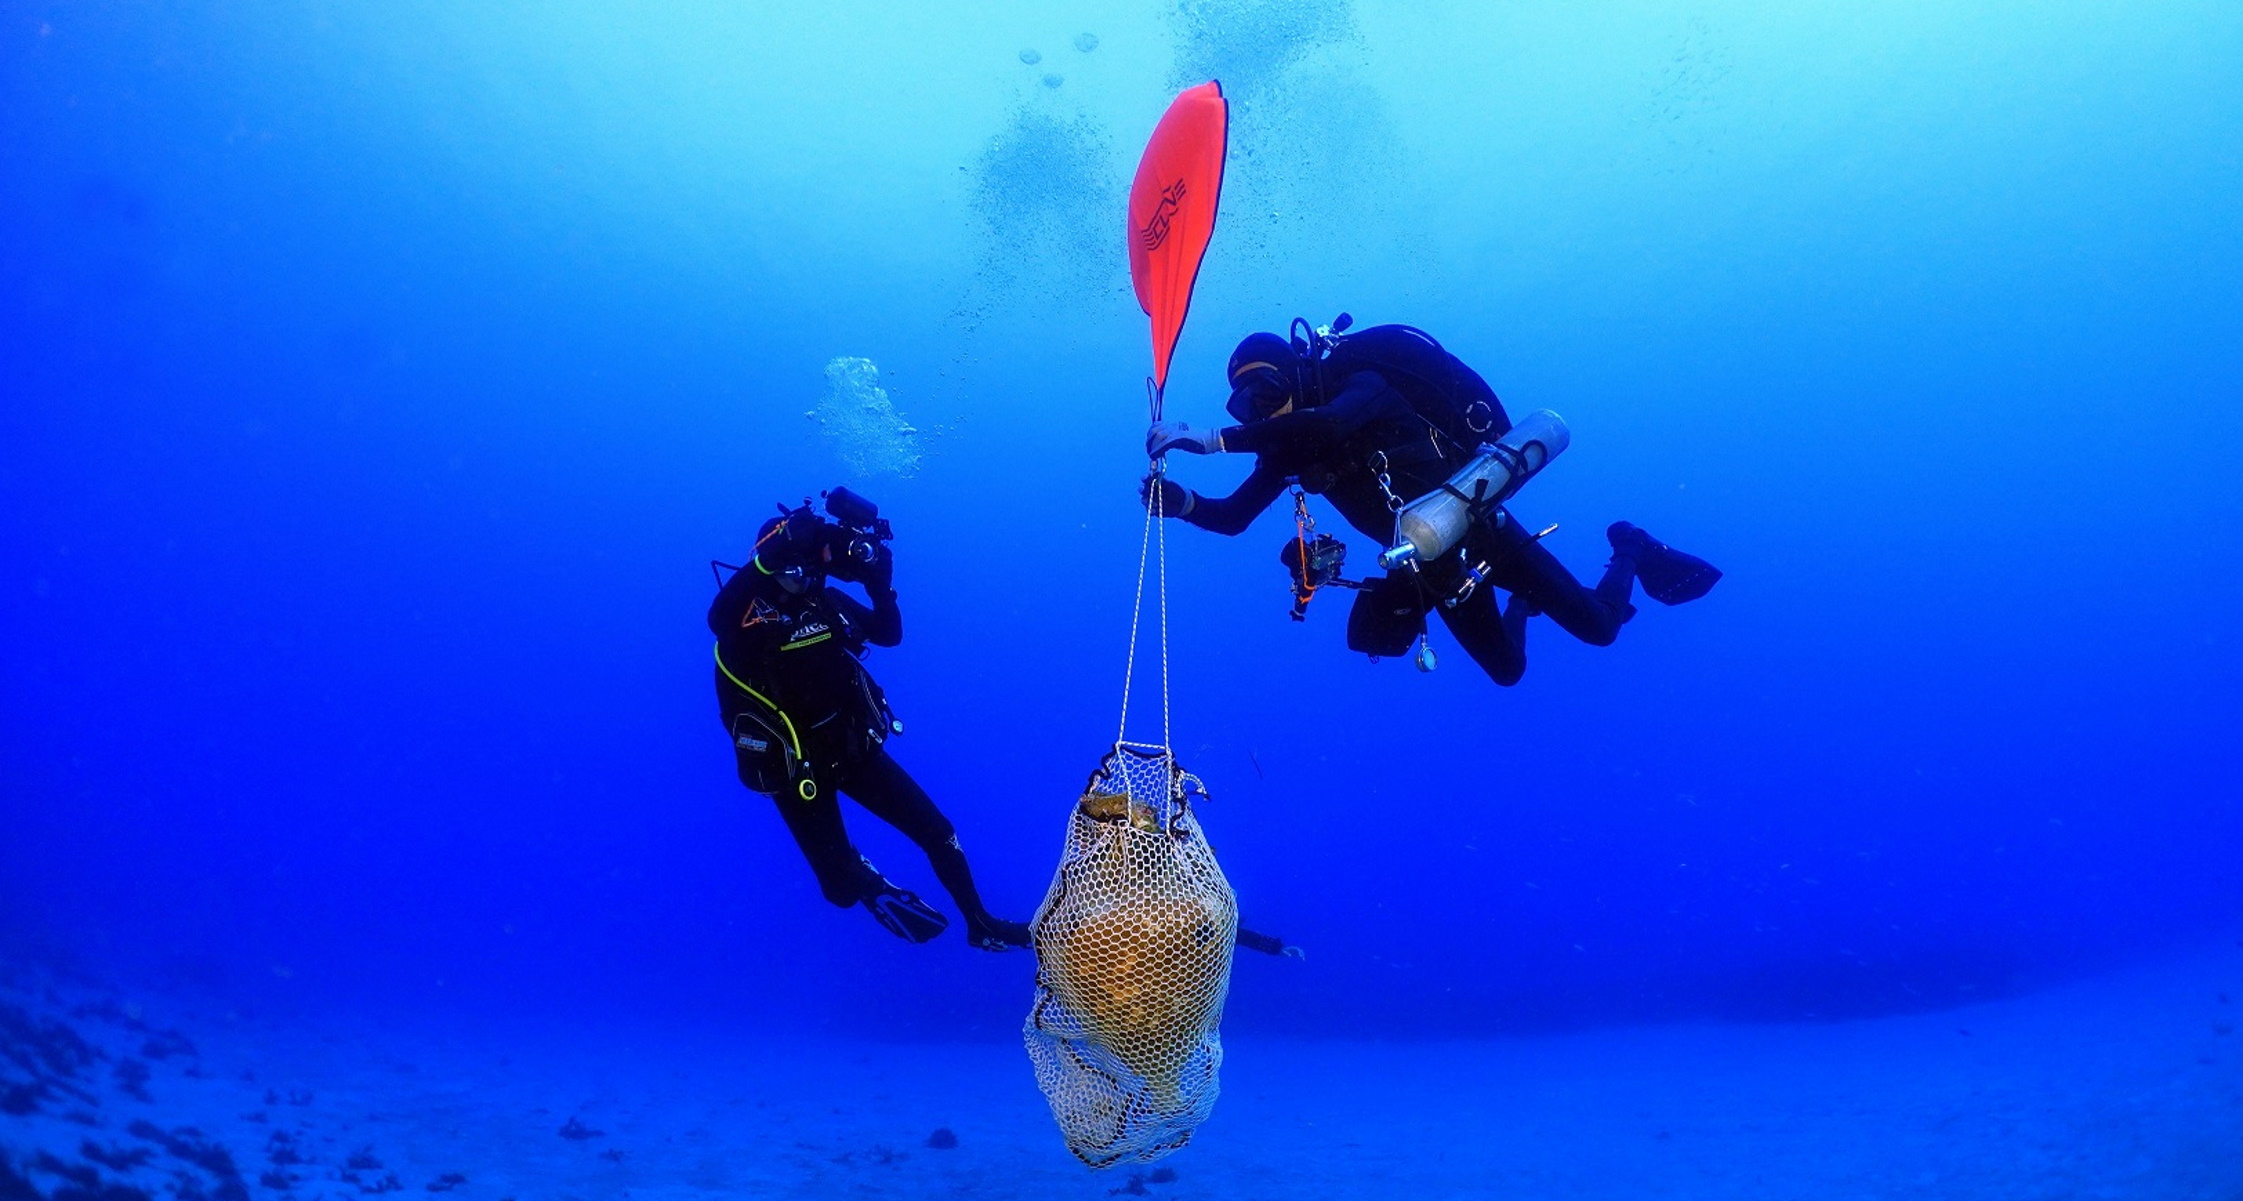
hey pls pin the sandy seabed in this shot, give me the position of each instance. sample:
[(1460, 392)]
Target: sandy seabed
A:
[(2128, 1086)]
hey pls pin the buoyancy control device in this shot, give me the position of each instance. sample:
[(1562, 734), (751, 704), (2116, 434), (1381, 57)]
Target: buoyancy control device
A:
[(1444, 391)]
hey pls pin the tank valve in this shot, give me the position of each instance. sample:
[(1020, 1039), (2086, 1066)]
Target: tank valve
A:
[(1473, 578)]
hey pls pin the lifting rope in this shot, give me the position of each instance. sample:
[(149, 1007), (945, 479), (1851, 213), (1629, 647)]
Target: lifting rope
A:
[(1152, 549)]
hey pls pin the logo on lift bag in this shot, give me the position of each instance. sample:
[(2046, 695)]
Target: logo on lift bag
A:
[(1163, 218)]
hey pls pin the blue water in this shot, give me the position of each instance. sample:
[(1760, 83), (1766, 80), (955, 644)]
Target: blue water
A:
[(377, 380)]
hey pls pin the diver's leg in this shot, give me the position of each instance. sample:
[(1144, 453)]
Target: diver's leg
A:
[(1526, 568), (843, 875), (888, 792), (1616, 588), (1485, 635), (847, 878)]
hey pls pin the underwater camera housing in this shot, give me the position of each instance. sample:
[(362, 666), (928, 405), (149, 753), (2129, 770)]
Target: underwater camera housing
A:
[(850, 532), (1315, 562), (860, 529)]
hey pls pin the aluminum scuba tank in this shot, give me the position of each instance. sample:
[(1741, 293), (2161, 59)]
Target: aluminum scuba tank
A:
[(1428, 526)]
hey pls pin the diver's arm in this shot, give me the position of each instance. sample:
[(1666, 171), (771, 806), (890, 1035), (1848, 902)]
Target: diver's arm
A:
[(880, 623), (1232, 514), (1267, 944), (1366, 398)]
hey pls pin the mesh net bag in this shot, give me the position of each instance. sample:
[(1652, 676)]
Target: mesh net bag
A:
[(1133, 960)]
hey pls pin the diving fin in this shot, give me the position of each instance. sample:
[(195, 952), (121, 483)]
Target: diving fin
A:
[(905, 915), (1668, 575)]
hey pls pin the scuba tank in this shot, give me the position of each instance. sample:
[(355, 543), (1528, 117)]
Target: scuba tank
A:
[(1436, 521)]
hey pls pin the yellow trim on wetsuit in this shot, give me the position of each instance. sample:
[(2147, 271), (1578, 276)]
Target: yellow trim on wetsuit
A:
[(792, 737), (813, 640)]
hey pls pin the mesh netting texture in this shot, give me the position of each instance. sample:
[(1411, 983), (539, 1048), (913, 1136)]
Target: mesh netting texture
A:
[(1133, 961)]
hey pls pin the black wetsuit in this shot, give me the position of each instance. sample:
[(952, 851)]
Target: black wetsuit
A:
[(787, 669), (1392, 391)]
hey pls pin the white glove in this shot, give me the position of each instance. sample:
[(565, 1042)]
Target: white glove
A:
[(1166, 436)]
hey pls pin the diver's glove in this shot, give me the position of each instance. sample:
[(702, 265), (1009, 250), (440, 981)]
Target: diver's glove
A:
[(1166, 436), (1175, 499)]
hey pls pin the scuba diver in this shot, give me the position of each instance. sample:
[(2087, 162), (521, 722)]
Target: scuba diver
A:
[(1384, 423), (808, 723)]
